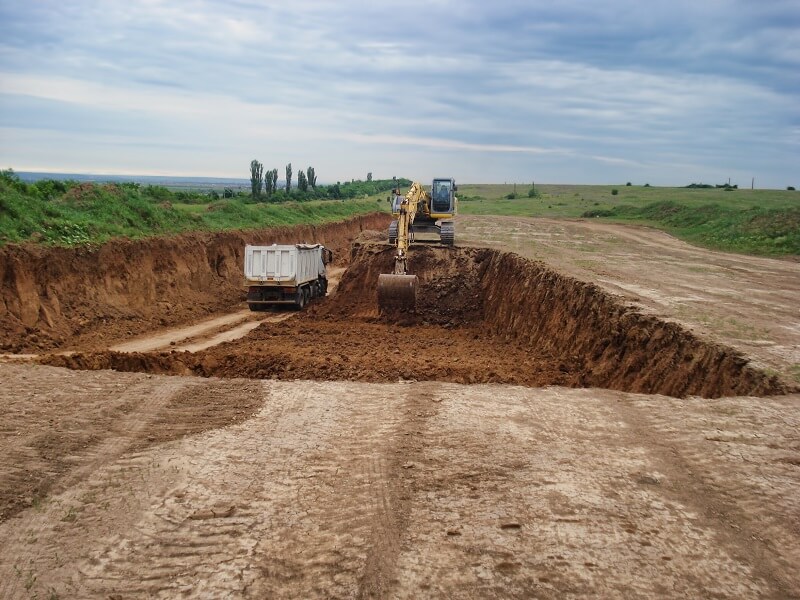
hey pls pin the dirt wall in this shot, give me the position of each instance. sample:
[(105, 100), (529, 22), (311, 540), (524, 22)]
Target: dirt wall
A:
[(54, 297), (482, 316), (615, 345), (527, 303)]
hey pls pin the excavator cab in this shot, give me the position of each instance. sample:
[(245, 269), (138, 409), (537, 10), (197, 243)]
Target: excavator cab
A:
[(442, 196)]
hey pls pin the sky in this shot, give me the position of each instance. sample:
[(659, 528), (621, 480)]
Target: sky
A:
[(574, 91)]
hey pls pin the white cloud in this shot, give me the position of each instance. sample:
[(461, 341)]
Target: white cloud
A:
[(589, 89)]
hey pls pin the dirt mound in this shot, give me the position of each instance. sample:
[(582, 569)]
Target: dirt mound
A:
[(449, 290), (483, 316), (79, 297)]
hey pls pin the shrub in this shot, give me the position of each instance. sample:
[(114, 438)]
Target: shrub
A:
[(532, 193), (646, 185), (614, 192), (628, 184), (511, 196), (790, 188), (591, 214)]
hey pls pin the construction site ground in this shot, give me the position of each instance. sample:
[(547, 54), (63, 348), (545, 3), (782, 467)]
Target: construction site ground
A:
[(337, 454)]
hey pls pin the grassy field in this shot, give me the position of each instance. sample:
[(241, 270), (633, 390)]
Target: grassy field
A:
[(749, 221), (69, 214)]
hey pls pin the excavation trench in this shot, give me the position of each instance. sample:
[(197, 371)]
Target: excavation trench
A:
[(483, 316), (95, 296)]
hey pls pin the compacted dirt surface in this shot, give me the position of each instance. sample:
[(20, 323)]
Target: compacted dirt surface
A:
[(533, 429)]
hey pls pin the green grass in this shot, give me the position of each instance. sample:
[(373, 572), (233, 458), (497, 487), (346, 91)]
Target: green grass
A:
[(763, 222), (57, 213), (67, 213)]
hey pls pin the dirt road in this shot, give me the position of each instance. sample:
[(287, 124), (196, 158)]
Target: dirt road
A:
[(396, 490), (136, 485)]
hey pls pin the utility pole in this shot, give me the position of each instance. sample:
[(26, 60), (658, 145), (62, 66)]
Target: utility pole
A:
[(753, 183)]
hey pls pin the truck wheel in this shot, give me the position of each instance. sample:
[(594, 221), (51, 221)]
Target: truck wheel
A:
[(300, 299), (307, 294)]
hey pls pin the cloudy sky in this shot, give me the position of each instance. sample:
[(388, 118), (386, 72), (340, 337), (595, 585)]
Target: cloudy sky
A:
[(574, 91)]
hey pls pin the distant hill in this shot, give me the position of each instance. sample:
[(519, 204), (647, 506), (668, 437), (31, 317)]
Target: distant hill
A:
[(170, 181)]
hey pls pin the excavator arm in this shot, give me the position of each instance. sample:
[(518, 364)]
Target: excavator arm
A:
[(399, 289), (408, 211)]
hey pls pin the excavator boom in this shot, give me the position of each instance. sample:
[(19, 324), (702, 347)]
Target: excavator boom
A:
[(398, 290)]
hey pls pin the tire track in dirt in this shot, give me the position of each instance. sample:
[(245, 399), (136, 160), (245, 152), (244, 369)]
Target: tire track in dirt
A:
[(423, 489), (395, 483), (64, 493), (547, 494), (99, 493), (201, 535), (309, 498), (690, 457)]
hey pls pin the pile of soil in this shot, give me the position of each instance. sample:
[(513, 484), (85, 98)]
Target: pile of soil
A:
[(483, 316), (84, 297)]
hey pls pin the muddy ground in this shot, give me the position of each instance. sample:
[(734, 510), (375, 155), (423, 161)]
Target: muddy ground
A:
[(421, 458)]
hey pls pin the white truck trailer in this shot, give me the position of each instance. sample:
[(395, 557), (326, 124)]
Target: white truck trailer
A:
[(285, 274)]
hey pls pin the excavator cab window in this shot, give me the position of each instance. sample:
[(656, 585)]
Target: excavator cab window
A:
[(441, 196), (397, 200)]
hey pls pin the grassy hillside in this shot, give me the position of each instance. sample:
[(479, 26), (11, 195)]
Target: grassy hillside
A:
[(69, 213), (749, 221)]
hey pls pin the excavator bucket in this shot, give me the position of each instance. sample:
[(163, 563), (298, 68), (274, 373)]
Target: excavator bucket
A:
[(397, 292)]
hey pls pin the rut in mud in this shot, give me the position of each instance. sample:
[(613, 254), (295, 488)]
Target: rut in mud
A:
[(483, 316)]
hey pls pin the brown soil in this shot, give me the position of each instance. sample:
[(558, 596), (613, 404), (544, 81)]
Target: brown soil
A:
[(86, 297), (136, 485), (483, 316)]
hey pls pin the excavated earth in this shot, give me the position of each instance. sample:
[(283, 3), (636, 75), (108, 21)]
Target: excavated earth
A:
[(523, 433), (483, 316), (89, 297)]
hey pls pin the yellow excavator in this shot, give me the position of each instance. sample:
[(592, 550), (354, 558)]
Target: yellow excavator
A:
[(417, 213)]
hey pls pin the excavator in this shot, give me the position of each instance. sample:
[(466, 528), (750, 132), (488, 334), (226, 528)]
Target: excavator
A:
[(418, 212)]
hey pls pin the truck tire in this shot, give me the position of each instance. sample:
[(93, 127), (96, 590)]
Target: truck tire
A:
[(300, 299)]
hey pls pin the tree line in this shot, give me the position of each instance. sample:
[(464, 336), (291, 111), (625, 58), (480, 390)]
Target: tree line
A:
[(264, 185)]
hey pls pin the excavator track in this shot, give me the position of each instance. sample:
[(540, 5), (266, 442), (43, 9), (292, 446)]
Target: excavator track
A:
[(448, 233)]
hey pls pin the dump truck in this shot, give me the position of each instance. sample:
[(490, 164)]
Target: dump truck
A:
[(289, 274)]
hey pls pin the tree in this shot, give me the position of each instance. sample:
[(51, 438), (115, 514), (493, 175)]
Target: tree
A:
[(302, 181), (256, 171), (269, 182), (369, 176), (312, 178), (272, 178), (288, 178)]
